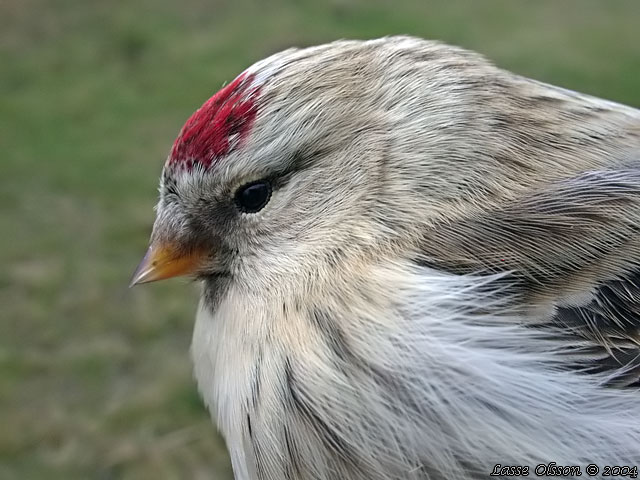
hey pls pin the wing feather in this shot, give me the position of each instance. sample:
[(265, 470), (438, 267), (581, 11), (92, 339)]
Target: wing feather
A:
[(573, 252)]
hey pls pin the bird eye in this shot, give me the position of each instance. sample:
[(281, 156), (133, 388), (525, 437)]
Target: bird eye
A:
[(253, 197)]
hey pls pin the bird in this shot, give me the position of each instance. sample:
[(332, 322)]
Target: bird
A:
[(413, 265)]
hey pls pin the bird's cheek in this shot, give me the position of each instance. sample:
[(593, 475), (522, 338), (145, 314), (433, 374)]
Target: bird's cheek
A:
[(164, 261)]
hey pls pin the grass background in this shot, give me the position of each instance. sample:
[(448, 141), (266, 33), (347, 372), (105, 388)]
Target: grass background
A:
[(95, 379)]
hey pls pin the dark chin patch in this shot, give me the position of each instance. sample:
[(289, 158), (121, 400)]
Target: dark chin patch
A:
[(215, 286)]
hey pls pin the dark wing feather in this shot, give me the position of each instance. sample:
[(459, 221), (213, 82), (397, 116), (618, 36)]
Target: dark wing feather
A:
[(611, 324), (573, 250)]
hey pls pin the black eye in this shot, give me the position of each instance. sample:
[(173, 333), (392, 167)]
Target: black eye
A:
[(252, 197)]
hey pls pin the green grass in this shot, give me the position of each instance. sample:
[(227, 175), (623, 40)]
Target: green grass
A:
[(95, 379)]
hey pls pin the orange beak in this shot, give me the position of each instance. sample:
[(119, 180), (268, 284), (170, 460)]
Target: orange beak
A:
[(166, 261)]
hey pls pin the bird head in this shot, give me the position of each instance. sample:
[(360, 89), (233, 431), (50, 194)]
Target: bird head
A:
[(278, 174), (316, 157)]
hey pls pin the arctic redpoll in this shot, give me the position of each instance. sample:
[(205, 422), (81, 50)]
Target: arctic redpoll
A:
[(414, 265)]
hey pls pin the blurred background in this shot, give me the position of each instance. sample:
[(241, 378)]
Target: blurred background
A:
[(95, 379)]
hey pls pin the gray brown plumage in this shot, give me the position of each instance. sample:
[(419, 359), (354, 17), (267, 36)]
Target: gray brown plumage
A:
[(414, 265)]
